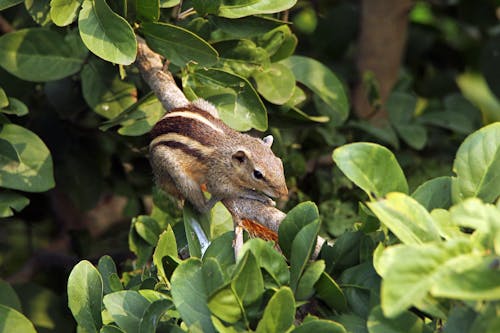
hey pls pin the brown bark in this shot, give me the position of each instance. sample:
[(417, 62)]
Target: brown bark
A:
[(381, 45)]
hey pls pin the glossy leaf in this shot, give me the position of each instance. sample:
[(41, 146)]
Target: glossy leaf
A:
[(406, 218), (225, 305), (242, 57), (178, 45), (407, 322), (189, 294), (323, 83), (195, 233), (246, 8), (107, 268), (269, 259), (10, 202), (152, 315), (434, 193), (221, 249), (319, 325), (64, 12), (25, 161), (166, 246), (39, 54), (406, 282), (276, 83), (302, 248), (312, 273), (13, 321), (297, 218), (236, 100), (248, 283), (104, 91), (148, 229), (371, 167), (85, 291), (127, 308), (106, 34), (279, 312), (329, 292), (476, 166)]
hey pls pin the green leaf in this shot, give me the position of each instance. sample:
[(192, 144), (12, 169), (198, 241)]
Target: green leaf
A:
[(39, 55), (407, 322), (329, 292), (204, 7), (406, 218), (189, 294), (269, 259), (305, 288), (296, 219), (242, 57), (236, 100), (137, 119), (111, 329), (489, 63), (64, 12), (178, 45), (166, 246), (319, 325), (30, 168), (279, 312), (383, 132), (371, 167), (139, 246), (127, 308), (4, 4), (236, 9), (4, 100), (85, 290), (104, 91), (13, 321), (217, 277), (8, 297), (169, 3), (472, 278), (476, 166), (10, 201), (248, 283), (302, 248), (221, 249), (39, 11), (225, 305), (195, 234), (407, 282), (275, 83), (106, 34), (148, 229), (434, 193), (15, 107), (107, 268), (148, 10), (152, 315), (323, 83)]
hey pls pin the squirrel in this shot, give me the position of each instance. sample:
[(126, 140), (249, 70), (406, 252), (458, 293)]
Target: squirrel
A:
[(191, 147)]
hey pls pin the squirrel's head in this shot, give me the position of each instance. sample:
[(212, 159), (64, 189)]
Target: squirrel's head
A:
[(257, 168)]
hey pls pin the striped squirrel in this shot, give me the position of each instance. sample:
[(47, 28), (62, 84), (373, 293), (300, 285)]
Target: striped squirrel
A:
[(192, 147)]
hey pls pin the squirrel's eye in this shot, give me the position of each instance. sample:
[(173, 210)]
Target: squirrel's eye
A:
[(257, 174)]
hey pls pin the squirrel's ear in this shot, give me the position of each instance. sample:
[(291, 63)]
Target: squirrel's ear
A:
[(239, 157), (268, 140)]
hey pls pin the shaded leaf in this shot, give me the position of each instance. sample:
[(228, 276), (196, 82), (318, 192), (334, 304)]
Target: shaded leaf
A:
[(10, 201), (127, 308), (329, 292), (407, 322), (302, 248), (13, 321), (166, 246), (39, 54), (434, 193), (225, 305), (8, 297), (27, 165)]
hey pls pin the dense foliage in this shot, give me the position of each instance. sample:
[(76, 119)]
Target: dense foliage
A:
[(409, 204)]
